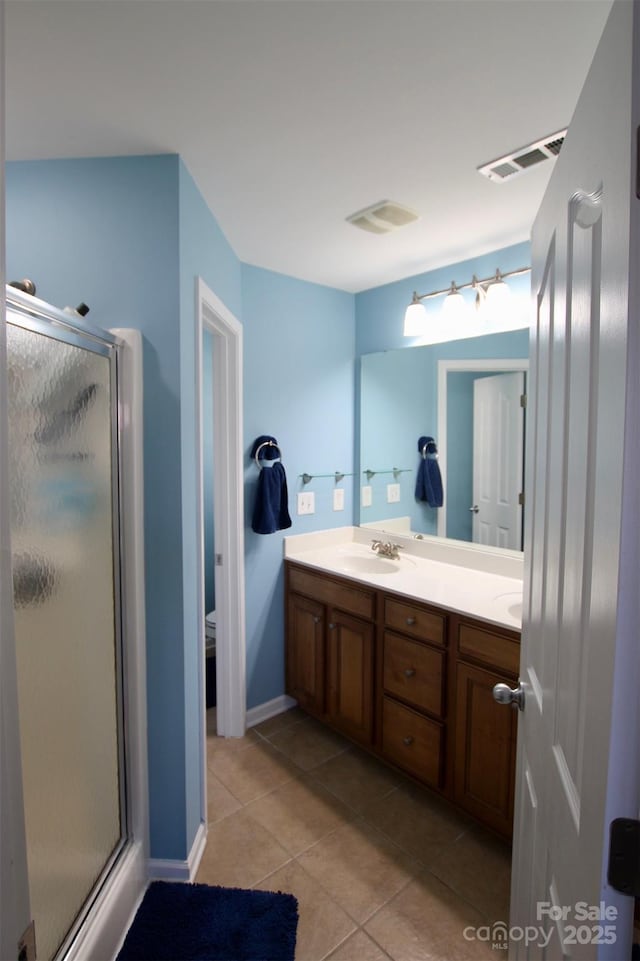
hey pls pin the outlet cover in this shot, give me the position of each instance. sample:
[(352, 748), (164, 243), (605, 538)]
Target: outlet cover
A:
[(393, 493), (338, 499), (306, 502), (367, 495)]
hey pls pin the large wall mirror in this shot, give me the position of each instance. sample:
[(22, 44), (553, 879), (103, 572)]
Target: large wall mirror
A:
[(466, 395)]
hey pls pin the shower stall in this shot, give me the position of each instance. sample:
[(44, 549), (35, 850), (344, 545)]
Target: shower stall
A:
[(72, 631)]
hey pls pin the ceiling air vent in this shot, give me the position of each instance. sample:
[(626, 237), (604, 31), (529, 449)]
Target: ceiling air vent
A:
[(382, 217), (519, 161)]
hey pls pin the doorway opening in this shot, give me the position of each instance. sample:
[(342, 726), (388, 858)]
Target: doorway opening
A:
[(215, 320)]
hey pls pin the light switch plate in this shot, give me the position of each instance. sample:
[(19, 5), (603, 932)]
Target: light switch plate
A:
[(393, 493), (367, 495), (306, 502), (338, 498)]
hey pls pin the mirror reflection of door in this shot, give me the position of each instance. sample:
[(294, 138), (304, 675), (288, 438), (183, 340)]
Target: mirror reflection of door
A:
[(498, 444)]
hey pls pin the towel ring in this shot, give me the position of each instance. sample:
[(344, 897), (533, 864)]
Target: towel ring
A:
[(266, 443), (424, 450)]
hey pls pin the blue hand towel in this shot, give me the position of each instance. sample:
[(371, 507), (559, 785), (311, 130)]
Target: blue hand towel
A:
[(270, 511), (428, 480)]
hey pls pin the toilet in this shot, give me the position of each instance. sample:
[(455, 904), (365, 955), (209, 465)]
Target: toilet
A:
[(210, 633), (210, 650)]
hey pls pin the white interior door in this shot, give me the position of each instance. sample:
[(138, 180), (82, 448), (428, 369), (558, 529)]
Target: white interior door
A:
[(578, 735), (498, 441)]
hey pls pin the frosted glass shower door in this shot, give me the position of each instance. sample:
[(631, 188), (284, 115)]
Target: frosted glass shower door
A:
[(64, 530)]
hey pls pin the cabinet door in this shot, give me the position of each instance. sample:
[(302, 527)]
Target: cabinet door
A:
[(305, 653), (350, 667), (485, 748)]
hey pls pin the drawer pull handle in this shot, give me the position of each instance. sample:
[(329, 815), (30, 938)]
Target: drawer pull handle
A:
[(410, 672), (408, 740), (411, 621)]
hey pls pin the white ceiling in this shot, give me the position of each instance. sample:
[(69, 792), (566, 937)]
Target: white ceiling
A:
[(292, 114)]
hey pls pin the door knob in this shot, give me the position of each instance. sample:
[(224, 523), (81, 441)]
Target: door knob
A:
[(475, 509), (504, 694)]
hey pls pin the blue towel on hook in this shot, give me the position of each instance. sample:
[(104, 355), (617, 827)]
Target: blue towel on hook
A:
[(429, 481), (270, 511)]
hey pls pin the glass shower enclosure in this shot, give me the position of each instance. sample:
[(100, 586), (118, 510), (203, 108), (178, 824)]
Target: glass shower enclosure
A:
[(65, 537)]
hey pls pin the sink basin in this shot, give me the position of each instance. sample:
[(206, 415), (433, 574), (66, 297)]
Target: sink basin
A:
[(359, 564), (513, 603)]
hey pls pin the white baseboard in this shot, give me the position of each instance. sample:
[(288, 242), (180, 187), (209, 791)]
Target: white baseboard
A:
[(197, 850), (174, 870), (255, 715)]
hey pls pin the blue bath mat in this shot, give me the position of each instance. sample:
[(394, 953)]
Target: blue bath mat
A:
[(197, 922)]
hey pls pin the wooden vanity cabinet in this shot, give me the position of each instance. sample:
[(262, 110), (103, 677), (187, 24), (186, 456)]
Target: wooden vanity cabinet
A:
[(305, 657), (410, 682), (330, 650), (485, 732)]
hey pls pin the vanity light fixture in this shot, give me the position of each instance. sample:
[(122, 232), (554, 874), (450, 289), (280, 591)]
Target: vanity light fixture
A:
[(490, 292), (454, 306)]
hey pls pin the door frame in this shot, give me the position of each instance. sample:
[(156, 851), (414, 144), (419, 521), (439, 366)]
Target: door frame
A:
[(228, 506), (444, 367)]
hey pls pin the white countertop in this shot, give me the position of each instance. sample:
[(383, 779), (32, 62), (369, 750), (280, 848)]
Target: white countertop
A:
[(481, 583)]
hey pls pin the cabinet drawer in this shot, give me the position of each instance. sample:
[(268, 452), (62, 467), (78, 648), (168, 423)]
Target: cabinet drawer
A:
[(412, 741), (501, 653), (414, 673), (414, 620), (352, 599)]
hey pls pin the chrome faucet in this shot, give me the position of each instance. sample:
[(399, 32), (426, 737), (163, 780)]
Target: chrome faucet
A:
[(386, 549)]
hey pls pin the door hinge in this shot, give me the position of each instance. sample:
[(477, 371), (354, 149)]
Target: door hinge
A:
[(27, 944), (521, 499), (623, 872), (523, 400)]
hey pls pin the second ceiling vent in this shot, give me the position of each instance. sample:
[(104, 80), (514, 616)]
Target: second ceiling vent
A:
[(519, 161), (382, 217)]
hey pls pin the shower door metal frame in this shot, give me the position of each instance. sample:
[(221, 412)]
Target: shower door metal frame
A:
[(29, 313)]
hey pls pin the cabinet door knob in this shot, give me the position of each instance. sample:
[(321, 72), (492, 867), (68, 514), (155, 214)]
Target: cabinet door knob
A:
[(332, 627), (408, 740), (410, 672), (411, 621), (316, 619)]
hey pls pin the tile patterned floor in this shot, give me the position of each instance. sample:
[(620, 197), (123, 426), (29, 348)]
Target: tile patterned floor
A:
[(381, 869)]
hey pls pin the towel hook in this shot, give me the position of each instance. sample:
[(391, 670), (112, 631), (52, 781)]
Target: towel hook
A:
[(434, 453), (266, 443)]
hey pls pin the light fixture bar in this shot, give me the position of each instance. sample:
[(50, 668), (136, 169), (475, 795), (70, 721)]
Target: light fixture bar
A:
[(417, 298)]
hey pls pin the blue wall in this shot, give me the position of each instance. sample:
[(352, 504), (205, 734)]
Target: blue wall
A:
[(299, 387)]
